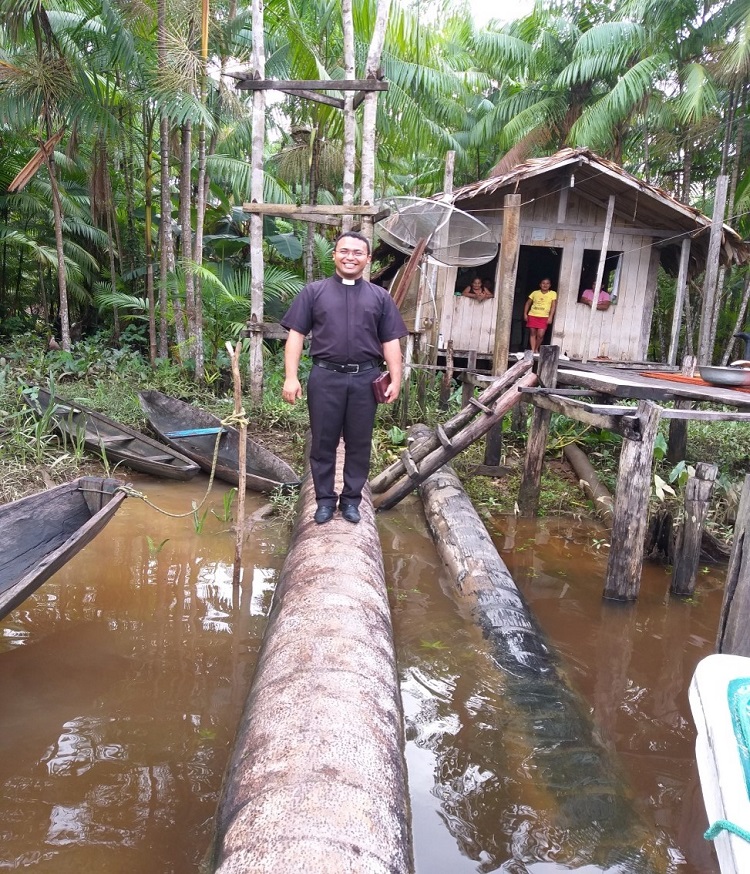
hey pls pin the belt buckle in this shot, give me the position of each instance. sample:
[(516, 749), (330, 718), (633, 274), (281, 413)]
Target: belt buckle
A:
[(351, 368)]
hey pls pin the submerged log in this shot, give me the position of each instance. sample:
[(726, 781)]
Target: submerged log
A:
[(589, 481), (592, 800), (317, 779)]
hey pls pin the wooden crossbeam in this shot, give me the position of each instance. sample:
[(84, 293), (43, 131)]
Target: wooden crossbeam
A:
[(620, 420), (603, 415), (290, 209), (327, 219), (245, 82)]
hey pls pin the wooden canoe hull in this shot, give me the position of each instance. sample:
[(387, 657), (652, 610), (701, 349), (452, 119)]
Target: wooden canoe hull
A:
[(41, 532), (110, 440), (165, 414), (720, 768)]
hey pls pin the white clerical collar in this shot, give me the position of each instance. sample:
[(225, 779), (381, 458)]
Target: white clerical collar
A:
[(348, 281)]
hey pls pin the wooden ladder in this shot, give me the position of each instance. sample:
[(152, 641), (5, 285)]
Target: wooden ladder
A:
[(427, 455)]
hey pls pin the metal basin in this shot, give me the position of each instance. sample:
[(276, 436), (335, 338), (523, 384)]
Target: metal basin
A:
[(727, 376)]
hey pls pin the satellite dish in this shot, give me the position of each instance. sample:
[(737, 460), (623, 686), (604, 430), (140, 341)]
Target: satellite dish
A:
[(453, 237)]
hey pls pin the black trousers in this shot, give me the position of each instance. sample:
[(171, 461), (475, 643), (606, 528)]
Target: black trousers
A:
[(340, 404)]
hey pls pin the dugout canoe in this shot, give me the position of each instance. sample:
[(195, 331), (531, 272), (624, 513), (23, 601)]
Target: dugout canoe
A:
[(193, 432), (41, 532), (719, 698), (110, 440)]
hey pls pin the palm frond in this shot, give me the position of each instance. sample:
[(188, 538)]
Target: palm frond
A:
[(698, 98), (595, 127), (105, 298)]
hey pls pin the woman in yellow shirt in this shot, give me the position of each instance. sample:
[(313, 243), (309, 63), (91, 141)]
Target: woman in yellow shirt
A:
[(539, 312)]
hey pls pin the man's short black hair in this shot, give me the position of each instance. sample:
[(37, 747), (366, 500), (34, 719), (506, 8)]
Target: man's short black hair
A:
[(355, 235)]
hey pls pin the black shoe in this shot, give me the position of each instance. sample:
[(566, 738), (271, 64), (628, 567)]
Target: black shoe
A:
[(350, 512), (324, 513)]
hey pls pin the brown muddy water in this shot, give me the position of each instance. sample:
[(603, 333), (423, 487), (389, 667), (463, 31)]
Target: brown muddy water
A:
[(122, 681)]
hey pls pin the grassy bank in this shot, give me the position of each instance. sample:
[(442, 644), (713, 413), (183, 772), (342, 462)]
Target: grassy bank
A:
[(108, 380)]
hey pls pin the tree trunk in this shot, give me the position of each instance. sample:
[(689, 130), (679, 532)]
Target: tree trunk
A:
[(186, 237), (256, 195), (200, 209), (131, 248), (705, 346), (728, 124), (687, 167), (165, 221), (149, 249), (738, 325), (312, 186), (165, 237), (350, 156), (737, 156), (369, 118), (113, 275), (4, 271), (317, 778), (62, 283), (111, 220)]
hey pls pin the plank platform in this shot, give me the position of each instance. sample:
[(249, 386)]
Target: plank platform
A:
[(623, 383)]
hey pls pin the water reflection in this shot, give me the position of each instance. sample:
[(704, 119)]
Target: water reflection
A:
[(122, 681)]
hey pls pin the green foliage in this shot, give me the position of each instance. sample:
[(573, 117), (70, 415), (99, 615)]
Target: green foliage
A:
[(199, 519), (155, 548), (397, 436), (227, 501)]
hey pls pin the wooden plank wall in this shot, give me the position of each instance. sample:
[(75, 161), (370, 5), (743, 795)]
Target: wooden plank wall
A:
[(616, 333)]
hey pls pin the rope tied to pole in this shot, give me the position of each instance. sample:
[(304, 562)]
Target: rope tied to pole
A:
[(232, 419), (236, 419)]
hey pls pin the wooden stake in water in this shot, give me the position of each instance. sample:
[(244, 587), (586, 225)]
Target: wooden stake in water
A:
[(234, 355)]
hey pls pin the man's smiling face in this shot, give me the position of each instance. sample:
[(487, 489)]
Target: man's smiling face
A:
[(350, 257)]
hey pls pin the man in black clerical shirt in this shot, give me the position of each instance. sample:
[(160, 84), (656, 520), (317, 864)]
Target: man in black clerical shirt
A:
[(354, 326)]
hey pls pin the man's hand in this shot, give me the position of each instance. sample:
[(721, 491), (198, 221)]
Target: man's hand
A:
[(392, 392), (291, 391)]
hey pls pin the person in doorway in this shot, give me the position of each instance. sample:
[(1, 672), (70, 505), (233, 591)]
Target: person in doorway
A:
[(354, 325), (539, 312), (477, 289)]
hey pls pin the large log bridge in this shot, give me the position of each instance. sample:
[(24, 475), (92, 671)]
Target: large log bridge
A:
[(590, 800), (317, 779)]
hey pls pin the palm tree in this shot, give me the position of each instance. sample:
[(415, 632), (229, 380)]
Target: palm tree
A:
[(36, 84)]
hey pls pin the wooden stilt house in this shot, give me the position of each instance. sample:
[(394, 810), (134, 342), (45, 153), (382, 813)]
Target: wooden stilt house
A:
[(597, 232)]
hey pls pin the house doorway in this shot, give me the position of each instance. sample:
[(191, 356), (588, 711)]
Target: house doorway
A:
[(535, 263)]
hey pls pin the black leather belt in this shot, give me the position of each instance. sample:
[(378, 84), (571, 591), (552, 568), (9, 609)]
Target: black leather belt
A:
[(345, 368)]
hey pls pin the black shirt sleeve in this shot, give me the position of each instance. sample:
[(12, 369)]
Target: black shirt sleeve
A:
[(392, 326), (299, 315)]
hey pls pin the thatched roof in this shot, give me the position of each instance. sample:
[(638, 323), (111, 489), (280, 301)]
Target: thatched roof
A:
[(595, 178)]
